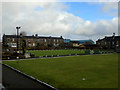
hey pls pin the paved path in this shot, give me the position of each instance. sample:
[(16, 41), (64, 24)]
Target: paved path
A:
[(12, 78)]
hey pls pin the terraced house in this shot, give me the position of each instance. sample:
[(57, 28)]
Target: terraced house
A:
[(32, 42), (109, 42)]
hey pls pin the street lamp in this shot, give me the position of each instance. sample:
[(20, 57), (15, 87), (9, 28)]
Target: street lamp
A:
[(17, 39)]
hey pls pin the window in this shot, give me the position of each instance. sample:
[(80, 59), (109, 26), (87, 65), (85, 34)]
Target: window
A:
[(45, 40), (117, 42), (13, 45), (113, 43), (29, 45), (54, 44), (33, 44), (13, 39), (8, 39), (9, 44), (105, 43)]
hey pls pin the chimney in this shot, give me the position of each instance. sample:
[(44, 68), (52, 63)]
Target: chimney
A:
[(36, 35), (60, 36), (113, 34)]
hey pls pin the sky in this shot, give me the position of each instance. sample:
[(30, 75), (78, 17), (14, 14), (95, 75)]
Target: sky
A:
[(87, 11), (72, 20)]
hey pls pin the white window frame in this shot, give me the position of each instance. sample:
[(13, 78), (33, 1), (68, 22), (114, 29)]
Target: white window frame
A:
[(13, 45), (45, 40)]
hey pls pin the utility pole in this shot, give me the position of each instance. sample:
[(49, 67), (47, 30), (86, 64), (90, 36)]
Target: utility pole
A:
[(17, 39)]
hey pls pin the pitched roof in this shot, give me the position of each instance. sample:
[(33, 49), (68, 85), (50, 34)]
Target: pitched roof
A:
[(110, 38), (28, 37)]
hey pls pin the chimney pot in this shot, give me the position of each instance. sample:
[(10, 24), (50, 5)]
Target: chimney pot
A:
[(36, 35), (113, 34)]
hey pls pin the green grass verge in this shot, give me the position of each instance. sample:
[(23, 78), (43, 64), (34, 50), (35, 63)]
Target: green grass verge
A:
[(56, 52), (100, 71)]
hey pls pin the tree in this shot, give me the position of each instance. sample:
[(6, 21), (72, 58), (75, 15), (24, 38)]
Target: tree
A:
[(23, 33), (24, 46)]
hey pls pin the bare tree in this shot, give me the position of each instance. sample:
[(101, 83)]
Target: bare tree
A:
[(23, 33)]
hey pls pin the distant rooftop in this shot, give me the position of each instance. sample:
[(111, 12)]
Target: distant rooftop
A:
[(15, 36), (79, 41), (110, 38)]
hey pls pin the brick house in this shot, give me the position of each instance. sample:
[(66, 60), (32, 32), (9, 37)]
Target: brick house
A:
[(109, 42), (33, 42)]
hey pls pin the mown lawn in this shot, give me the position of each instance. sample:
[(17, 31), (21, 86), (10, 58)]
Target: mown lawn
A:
[(99, 71), (56, 52)]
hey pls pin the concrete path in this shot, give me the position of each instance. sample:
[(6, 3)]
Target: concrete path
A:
[(11, 78)]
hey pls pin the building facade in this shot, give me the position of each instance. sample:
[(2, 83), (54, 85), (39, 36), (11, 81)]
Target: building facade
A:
[(111, 42), (32, 42)]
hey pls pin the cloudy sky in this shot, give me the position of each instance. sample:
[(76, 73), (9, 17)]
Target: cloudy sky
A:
[(73, 20)]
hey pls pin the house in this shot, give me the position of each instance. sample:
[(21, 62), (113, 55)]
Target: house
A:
[(109, 42), (32, 42)]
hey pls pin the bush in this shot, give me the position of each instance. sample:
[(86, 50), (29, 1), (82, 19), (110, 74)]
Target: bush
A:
[(10, 55), (87, 52), (32, 55)]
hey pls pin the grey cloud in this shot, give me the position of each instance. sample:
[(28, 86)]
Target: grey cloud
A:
[(52, 20)]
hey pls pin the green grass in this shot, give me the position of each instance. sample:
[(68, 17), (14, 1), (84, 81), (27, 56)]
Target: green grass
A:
[(100, 71), (56, 52)]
